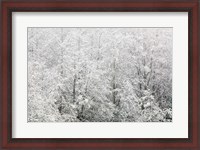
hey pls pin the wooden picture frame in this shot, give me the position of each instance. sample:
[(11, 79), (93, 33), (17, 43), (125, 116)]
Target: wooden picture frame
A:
[(9, 6)]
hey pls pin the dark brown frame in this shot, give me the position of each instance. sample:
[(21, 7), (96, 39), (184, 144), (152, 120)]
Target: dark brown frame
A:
[(9, 6)]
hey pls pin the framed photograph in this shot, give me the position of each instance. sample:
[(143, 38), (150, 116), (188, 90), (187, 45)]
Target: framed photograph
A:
[(100, 74)]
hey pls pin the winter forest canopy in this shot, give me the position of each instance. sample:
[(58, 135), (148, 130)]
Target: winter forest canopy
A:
[(100, 74)]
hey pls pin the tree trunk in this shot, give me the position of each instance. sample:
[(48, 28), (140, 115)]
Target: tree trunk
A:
[(75, 74), (74, 89), (114, 83)]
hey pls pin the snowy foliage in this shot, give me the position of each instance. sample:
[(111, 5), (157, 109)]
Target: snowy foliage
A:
[(99, 74)]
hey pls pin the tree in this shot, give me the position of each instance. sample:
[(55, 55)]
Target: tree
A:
[(100, 74)]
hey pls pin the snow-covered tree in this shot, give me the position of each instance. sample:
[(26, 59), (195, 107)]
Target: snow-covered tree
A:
[(99, 74)]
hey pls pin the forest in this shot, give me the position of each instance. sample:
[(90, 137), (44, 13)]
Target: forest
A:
[(99, 74)]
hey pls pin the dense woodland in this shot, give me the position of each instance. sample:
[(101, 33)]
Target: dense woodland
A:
[(100, 74)]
